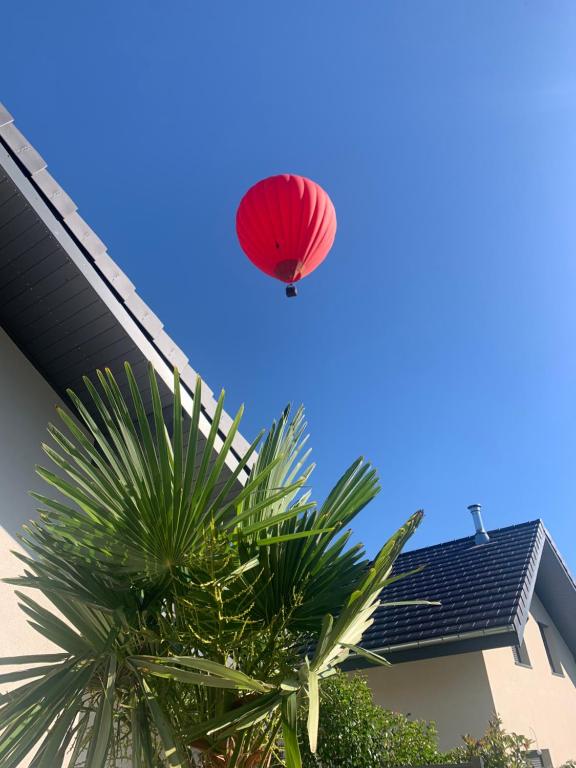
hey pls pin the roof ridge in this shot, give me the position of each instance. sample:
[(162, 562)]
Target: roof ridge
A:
[(536, 522)]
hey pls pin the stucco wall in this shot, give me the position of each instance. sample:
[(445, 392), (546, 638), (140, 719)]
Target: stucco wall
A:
[(452, 690), (26, 407), (534, 701)]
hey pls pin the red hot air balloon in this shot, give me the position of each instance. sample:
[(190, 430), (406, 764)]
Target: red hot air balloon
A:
[(286, 225)]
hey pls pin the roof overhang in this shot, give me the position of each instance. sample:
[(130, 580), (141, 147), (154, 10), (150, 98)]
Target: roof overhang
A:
[(440, 646), (556, 588), (66, 303)]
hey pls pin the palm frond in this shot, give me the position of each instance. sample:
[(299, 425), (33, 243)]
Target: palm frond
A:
[(181, 601)]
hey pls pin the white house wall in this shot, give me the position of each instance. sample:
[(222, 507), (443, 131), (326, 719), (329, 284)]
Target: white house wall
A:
[(532, 700), (26, 406), (451, 690)]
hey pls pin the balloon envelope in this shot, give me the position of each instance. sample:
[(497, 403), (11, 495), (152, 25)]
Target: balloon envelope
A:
[(286, 225)]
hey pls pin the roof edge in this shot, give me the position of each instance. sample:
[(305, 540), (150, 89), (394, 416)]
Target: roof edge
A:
[(59, 213), (445, 639), (525, 597), (559, 557), (556, 588), (448, 645)]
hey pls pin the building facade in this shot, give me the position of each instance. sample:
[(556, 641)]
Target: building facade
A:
[(502, 641), (461, 692)]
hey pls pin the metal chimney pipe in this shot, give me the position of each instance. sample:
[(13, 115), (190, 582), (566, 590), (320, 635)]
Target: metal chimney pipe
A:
[(481, 536)]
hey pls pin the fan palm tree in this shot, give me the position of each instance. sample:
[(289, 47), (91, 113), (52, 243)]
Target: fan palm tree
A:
[(193, 615)]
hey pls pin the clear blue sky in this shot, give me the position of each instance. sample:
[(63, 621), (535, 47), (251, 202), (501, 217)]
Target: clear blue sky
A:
[(438, 339)]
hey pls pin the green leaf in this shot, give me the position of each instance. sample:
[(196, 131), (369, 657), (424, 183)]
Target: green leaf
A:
[(313, 710), (59, 736), (142, 752), (356, 615), (80, 732), (171, 751), (290, 731), (269, 540), (296, 510), (102, 729), (27, 712), (327, 624), (375, 658), (241, 717), (216, 675), (23, 674)]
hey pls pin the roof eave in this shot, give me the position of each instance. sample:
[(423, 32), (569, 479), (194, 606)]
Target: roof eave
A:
[(449, 645), (87, 252), (556, 588)]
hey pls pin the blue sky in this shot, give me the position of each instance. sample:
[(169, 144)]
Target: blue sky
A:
[(438, 339)]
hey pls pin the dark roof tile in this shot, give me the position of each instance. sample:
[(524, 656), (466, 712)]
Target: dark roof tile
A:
[(479, 588)]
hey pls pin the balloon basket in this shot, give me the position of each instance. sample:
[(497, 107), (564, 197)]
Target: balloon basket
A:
[(291, 291)]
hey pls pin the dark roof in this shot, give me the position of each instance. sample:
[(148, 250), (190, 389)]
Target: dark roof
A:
[(65, 302), (485, 593)]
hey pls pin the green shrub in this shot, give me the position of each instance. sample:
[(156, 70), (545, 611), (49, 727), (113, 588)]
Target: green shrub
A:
[(497, 748), (357, 733)]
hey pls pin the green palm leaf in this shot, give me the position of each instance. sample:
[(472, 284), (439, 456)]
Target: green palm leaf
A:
[(181, 599), (100, 744)]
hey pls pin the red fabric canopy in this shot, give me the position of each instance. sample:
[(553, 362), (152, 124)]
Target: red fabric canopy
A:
[(286, 225)]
